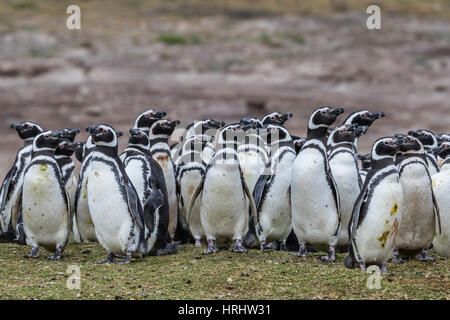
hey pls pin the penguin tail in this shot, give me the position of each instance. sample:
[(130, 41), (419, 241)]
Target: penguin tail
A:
[(170, 248), (349, 262)]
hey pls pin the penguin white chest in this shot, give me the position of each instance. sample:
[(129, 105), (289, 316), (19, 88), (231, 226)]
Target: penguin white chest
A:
[(189, 183), (314, 213), (109, 210), (135, 170), (45, 214), (441, 188), (223, 213)]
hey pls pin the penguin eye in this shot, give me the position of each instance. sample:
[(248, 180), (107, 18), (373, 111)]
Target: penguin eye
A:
[(363, 115)]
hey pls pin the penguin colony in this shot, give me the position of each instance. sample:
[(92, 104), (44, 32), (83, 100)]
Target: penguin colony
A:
[(250, 183)]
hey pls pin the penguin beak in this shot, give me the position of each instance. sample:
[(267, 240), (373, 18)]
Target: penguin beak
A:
[(377, 115), (361, 130), (400, 141), (337, 111), (174, 123), (436, 151), (413, 133), (352, 127), (90, 130), (286, 116), (160, 114), (14, 126)]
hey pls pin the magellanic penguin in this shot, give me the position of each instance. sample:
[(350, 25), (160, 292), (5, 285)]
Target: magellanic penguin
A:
[(276, 118), (113, 201), (223, 211), (314, 195), (27, 131), (441, 189), (420, 212), (160, 151), (85, 231), (147, 177), (362, 118), (429, 142), (197, 153), (271, 192), (366, 163), (344, 168), (377, 212), (298, 143), (44, 200)]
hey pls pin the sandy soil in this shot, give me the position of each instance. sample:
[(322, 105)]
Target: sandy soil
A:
[(227, 68)]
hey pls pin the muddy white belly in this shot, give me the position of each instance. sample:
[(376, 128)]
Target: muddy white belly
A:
[(189, 183), (441, 188)]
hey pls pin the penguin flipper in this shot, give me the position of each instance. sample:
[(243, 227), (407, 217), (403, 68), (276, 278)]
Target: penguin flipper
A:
[(250, 197), (436, 212), (5, 187), (134, 205), (194, 197), (16, 209), (288, 200), (68, 206), (354, 221), (258, 192), (335, 190)]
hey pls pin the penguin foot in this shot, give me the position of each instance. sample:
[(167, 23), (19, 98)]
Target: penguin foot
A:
[(109, 259), (424, 257), (283, 246), (396, 258), (211, 247), (198, 243), (301, 251), (362, 266), (126, 259), (383, 268), (238, 247), (34, 253), (330, 256), (57, 255)]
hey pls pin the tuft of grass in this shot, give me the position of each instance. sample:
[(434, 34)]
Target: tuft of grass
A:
[(225, 275), (296, 38), (180, 39), (269, 40), (24, 5)]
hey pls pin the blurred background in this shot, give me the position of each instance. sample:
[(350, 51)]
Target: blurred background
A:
[(222, 59)]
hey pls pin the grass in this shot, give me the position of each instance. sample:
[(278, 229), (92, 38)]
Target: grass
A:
[(179, 39), (226, 275)]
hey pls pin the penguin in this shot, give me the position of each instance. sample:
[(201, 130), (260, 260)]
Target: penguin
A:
[(85, 230), (366, 162), (276, 118), (147, 177), (223, 189), (145, 120), (271, 192), (27, 131), (44, 200), (197, 152), (377, 212), (443, 137), (441, 189), (344, 169), (420, 212), (314, 195), (159, 135), (429, 142), (114, 204), (362, 118), (298, 143)]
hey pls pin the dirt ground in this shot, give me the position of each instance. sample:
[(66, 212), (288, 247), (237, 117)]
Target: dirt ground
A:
[(219, 64)]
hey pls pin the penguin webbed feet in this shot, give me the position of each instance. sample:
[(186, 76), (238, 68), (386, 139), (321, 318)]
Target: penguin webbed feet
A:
[(396, 257), (301, 251), (423, 256), (330, 257), (126, 259), (238, 247), (109, 259), (33, 253), (283, 246), (57, 255), (211, 247)]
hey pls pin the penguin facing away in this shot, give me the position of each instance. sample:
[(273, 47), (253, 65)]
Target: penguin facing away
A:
[(44, 200), (429, 142), (344, 168), (85, 230), (27, 131), (114, 204), (314, 195), (298, 143), (223, 189), (420, 212), (148, 178), (441, 189), (377, 212), (271, 192), (197, 152)]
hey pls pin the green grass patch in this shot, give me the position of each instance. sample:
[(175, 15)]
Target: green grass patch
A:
[(24, 5), (180, 39), (225, 275)]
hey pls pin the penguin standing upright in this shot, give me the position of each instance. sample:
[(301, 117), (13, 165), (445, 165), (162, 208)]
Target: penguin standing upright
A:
[(298, 143), (314, 195), (223, 211), (44, 200), (429, 142), (114, 204), (197, 152), (27, 131), (441, 189), (276, 118), (377, 212), (345, 171), (271, 192), (420, 212), (148, 178), (160, 151), (362, 118), (85, 231)]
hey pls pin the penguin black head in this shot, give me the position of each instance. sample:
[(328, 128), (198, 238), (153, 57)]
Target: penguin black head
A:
[(164, 127), (324, 117), (410, 145), (298, 143), (428, 138), (443, 150), (276, 133), (139, 137), (79, 150), (276, 118), (212, 124), (104, 135), (66, 148), (363, 118), (251, 120), (69, 134), (230, 133), (47, 140), (386, 147), (366, 161), (345, 133), (146, 119), (443, 137), (27, 130)]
